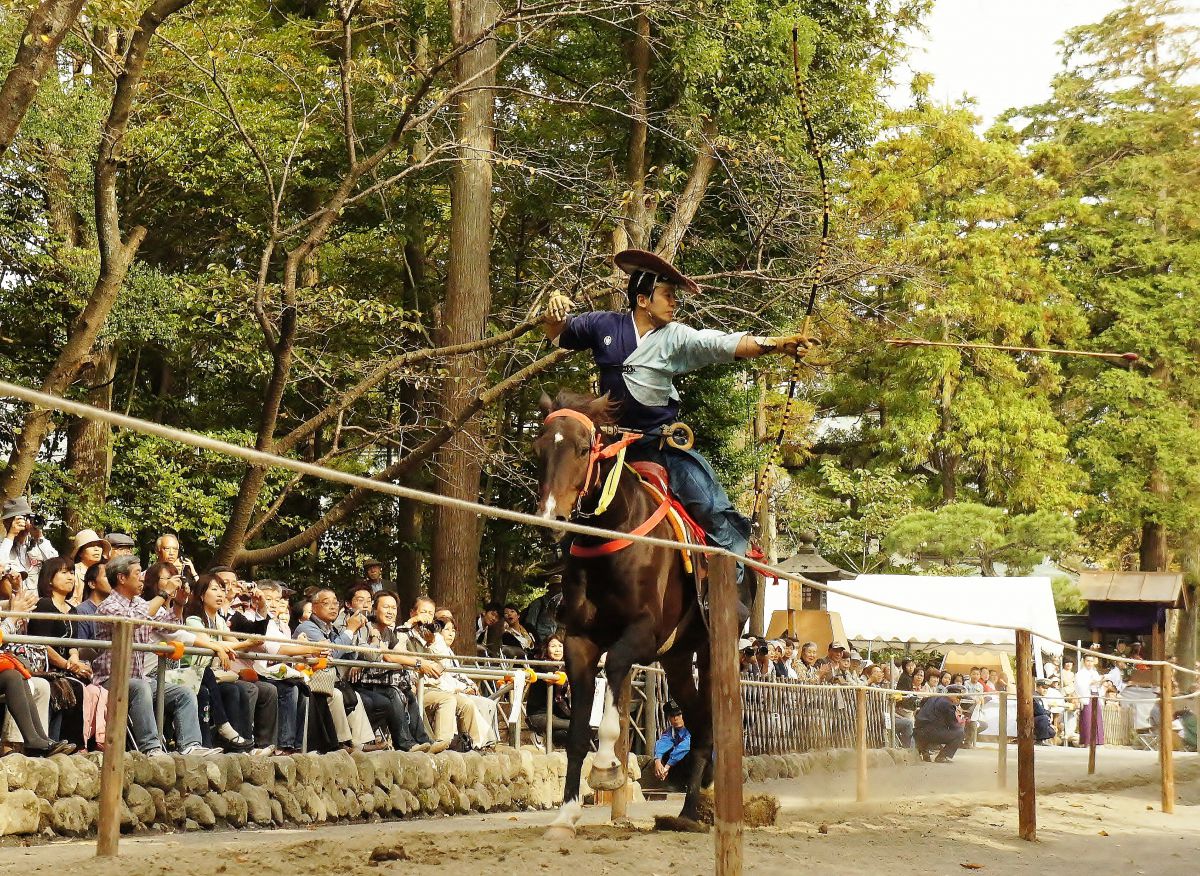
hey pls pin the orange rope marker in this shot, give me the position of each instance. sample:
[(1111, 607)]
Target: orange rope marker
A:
[(560, 678), (530, 676), (320, 664), (176, 650)]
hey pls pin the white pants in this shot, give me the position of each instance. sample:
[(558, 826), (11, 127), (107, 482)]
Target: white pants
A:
[(487, 713), (354, 728), (39, 689)]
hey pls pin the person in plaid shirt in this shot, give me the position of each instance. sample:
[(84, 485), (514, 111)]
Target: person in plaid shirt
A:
[(125, 575)]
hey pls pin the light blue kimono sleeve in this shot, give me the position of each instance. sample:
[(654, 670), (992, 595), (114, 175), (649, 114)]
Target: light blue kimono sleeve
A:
[(687, 349)]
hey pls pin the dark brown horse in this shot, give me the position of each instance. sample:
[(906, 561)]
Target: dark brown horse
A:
[(637, 604)]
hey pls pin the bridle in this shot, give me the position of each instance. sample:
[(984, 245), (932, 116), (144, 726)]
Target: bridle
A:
[(597, 452)]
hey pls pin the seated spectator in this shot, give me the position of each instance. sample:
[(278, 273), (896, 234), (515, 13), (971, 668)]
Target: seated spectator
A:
[(373, 577), (88, 550), (451, 714), (516, 641), (957, 678), (96, 589), (1043, 726), (125, 574), (747, 662), (487, 711), (781, 667), (939, 723), (67, 673), (906, 710), (121, 545), (351, 724), (541, 615), (16, 597), (256, 715), (932, 682), (944, 682), (988, 680), (905, 682), (22, 543), (805, 665), (269, 603), (543, 694), (673, 750), (489, 629), (392, 692)]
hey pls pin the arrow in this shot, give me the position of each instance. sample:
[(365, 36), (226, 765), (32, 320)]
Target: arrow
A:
[(914, 342)]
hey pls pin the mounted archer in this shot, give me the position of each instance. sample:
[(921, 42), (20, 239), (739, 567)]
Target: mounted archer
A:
[(639, 353)]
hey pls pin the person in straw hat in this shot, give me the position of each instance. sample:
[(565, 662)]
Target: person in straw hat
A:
[(88, 549), (639, 352)]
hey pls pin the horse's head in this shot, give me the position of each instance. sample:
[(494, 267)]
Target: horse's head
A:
[(566, 450)]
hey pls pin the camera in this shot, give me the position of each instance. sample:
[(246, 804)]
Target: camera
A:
[(433, 627), (38, 520)]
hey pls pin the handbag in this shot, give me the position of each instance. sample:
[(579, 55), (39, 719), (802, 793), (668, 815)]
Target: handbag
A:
[(322, 681), (186, 676)]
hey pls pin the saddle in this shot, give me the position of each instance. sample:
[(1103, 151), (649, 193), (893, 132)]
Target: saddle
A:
[(655, 479)]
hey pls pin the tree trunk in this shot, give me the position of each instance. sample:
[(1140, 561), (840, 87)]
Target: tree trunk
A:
[(1152, 551), (468, 302), (116, 255), (692, 195), (639, 211), (89, 447), (49, 22)]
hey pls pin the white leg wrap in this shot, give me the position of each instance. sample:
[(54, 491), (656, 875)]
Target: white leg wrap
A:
[(610, 728)]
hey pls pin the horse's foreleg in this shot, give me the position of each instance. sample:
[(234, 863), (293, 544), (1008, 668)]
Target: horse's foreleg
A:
[(608, 773), (582, 656)]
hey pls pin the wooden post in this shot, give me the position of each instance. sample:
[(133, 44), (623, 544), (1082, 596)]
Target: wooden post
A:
[(650, 709), (1093, 731), (1166, 737), (112, 773), (727, 716), (1002, 743), (1026, 792), (860, 742), (1158, 645), (619, 806)]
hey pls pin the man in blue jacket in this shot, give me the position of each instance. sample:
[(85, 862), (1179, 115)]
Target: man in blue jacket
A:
[(938, 724), (673, 750)]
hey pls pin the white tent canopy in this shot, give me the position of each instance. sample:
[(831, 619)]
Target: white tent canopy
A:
[(1011, 602)]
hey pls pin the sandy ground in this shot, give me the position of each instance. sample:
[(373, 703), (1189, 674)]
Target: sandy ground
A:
[(927, 819)]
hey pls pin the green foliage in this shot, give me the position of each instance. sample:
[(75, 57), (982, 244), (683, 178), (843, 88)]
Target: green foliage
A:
[(1067, 598), (965, 536)]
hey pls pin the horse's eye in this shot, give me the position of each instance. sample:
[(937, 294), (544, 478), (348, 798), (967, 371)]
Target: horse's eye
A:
[(585, 451)]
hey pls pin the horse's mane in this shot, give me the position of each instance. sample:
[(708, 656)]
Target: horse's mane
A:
[(601, 410)]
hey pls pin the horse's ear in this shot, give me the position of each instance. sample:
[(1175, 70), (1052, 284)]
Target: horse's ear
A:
[(600, 409), (546, 405)]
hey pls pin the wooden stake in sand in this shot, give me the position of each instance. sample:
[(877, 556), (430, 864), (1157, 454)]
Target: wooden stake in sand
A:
[(112, 773), (1094, 729), (1002, 743), (1166, 737), (860, 742), (1026, 793), (620, 797), (727, 715)]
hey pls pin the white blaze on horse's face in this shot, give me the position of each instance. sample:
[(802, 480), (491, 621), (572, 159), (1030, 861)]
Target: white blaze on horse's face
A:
[(563, 451)]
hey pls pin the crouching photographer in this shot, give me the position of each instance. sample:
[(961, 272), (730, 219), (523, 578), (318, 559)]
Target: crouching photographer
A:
[(451, 714)]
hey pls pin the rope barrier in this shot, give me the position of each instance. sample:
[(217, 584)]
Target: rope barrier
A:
[(265, 459)]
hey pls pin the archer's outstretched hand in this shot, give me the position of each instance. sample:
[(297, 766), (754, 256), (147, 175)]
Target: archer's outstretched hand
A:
[(796, 346), (558, 305)]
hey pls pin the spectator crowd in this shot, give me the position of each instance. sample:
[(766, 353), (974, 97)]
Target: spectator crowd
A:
[(242, 693)]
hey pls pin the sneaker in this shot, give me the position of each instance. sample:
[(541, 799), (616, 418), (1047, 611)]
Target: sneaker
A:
[(158, 752), (198, 750), (439, 746), (266, 749), (421, 746)]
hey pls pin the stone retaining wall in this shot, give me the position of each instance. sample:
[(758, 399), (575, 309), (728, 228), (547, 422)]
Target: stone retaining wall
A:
[(58, 796)]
